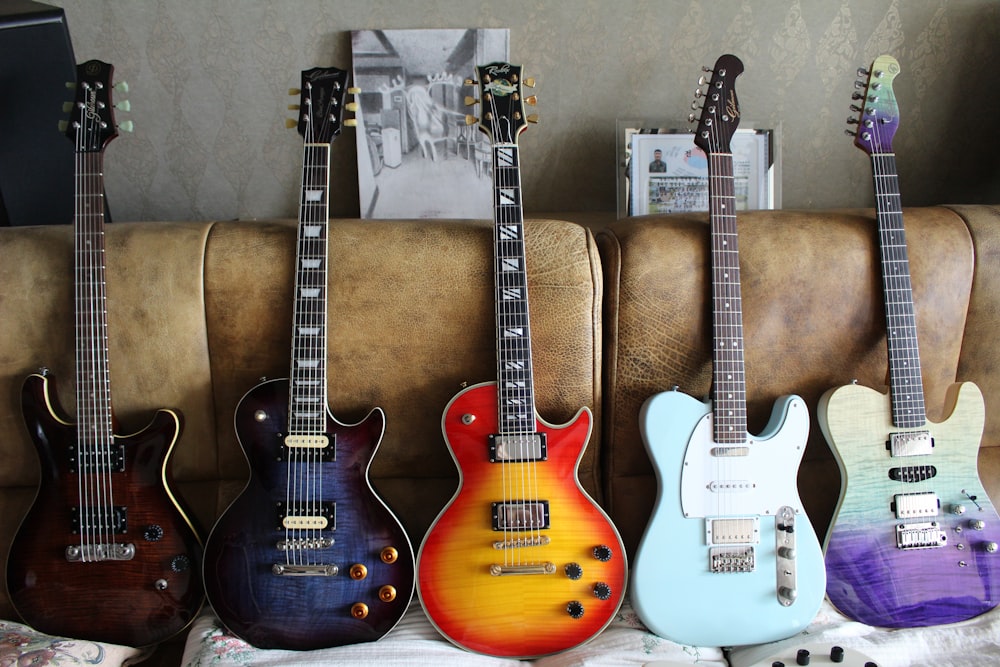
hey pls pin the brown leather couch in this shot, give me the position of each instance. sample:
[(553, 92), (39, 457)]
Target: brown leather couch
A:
[(200, 311)]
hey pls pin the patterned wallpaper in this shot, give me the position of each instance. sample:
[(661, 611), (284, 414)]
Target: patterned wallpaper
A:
[(209, 83)]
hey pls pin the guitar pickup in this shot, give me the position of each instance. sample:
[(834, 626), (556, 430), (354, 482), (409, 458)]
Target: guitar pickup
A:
[(94, 459), (323, 518), (518, 448), (912, 473), (915, 505), (743, 530), (521, 515), (322, 445), (910, 443), (114, 519)]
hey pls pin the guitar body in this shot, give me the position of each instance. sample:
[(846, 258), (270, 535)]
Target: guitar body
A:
[(522, 615), (672, 561), (869, 578), (137, 602), (306, 612)]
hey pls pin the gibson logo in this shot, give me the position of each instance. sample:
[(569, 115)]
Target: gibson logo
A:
[(732, 109), (91, 106)]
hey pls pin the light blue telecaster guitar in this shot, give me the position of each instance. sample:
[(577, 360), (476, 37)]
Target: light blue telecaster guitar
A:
[(914, 536), (728, 557)]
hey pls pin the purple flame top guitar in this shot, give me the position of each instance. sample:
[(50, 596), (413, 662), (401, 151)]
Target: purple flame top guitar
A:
[(521, 562), (914, 536), (105, 553), (308, 556), (728, 535)]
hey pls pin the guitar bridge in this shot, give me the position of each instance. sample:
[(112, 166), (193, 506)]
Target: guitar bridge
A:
[(926, 535), (89, 553)]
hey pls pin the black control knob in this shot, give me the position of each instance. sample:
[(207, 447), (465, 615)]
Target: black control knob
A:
[(573, 570), (777, 663), (603, 553), (575, 609), (602, 591), (152, 533), (802, 657), (837, 654), (180, 563)]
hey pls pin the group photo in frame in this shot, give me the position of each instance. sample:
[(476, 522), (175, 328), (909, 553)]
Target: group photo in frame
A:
[(663, 171)]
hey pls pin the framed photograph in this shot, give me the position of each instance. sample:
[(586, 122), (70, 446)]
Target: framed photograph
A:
[(661, 170), (417, 157)]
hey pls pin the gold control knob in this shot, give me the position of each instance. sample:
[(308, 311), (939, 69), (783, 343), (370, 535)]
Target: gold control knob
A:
[(358, 572), (359, 610), (389, 555), (387, 593)]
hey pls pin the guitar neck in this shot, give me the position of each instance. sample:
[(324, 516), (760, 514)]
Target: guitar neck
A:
[(728, 376), (905, 382), (93, 383), (307, 394), (515, 390)]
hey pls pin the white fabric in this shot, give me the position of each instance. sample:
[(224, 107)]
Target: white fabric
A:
[(21, 645)]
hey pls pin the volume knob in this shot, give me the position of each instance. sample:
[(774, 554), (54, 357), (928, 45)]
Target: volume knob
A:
[(575, 609), (602, 591), (603, 553), (180, 563), (153, 533), (573, 570)]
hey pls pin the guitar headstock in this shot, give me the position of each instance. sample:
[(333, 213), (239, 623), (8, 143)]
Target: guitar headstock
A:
[(878, 117), (91, 122), (501, 106), (720, 114), (321, 104)]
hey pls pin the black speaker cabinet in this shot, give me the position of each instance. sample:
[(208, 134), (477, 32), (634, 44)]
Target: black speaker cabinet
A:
[(36, 158)]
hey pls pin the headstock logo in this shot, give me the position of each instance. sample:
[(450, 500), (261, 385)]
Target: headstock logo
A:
[(732, 108)]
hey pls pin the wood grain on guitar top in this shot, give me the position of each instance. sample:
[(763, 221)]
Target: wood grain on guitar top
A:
[(306, 612), (870, 579), (136, 602), (525, 614)]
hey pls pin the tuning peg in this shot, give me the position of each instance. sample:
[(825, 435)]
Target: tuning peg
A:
[(531, 100), (530, 82), (354, 90), (852, 121), (126, 126), (294, 107), (862, 72), (470, 120), (532, 118), (294, 91), (67, 107), (71, 85), (124, 105), (470, 82), (289, 123), (121, 86), (63, 125), (350, 122), (692, 118), (351, 106), (850, 133), (855, 107), (694, 105), (698, 93)]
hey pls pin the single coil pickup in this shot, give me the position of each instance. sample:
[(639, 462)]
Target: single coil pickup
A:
[(731, 559), (518, 448), (731, 486), (915, 505), (97, 519), (498, 570), (96, 459), (307, 516), (306, 544), (288, 570), (912, 473), (730, 451), (321, 444), (740, 530), (88, 553), (521, 515), (540, 541), (926, 535), (910, 443)]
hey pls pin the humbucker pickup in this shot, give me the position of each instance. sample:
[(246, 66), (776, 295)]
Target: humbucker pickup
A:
[(915, 505), (322, 445), (521, 515), (94, 459), (517, 448), (910, 443), (99, 519), (323, 517)]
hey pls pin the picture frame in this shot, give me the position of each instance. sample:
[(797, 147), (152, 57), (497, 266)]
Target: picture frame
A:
[(661, 170)]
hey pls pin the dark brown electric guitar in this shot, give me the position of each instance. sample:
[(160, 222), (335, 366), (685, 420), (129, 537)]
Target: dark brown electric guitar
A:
[(105, 553)]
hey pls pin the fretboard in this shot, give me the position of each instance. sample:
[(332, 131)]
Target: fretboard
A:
[(905, 383), (94, 423), (728, 376), (307, 393), (516, 394)]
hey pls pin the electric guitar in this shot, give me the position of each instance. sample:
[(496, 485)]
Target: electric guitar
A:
[(728, 535), (105, 553), (521, 562), (914, 536), (308, 556)]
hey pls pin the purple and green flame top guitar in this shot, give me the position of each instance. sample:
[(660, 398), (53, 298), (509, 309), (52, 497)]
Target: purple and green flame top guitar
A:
[(914, 537)]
